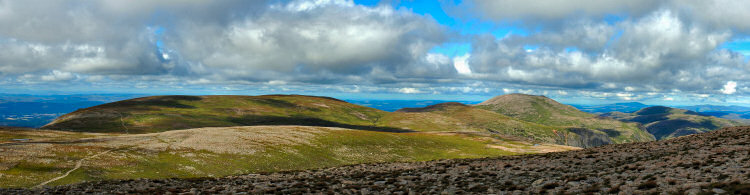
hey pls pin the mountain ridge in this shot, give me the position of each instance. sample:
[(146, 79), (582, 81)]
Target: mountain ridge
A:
[(667, 122), (544, 110)]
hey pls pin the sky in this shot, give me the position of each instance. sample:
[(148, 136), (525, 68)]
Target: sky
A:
[(669, 52)]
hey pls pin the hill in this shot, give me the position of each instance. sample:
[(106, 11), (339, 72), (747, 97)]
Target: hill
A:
[(665, 122), (162, 113), (453, 116), (543, 110), (708, 163), (34, 157)]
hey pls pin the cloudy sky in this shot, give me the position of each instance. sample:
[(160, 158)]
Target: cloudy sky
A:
[(667, 52)]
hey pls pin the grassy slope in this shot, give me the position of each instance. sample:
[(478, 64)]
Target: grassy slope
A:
[(161, 113), (222, 151), (543, 110), (665, 122), (460, 117), (537, 118)]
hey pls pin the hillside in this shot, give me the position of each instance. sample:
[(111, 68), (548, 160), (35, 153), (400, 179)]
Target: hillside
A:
[(665, 122), (708, 163), (162, 113), (456, 116), (543, 110), (33, 157)]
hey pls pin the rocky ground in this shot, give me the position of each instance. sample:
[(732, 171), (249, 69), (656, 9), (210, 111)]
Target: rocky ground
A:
[(717, 162)]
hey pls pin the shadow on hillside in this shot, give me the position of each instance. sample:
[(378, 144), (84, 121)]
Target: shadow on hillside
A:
[(611, 132), (283, 104), (586, 138), (666, 127), (142, 104), (251, 120), (72, 141), (645, 119)]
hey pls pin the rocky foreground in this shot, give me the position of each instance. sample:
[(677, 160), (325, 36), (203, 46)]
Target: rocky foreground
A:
[(717, 162)]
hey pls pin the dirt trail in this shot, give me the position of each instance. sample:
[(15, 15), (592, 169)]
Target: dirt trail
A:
[(78, 165)]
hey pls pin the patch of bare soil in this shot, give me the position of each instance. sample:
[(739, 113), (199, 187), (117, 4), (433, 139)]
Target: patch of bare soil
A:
[(714, 162)]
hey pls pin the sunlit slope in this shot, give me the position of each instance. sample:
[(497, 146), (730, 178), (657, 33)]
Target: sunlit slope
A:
[(222, 151), (161, 113), (665, 122), (454, 116), (545, 111)]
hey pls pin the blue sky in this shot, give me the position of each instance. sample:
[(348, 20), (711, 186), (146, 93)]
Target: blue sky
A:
[(659, 52)]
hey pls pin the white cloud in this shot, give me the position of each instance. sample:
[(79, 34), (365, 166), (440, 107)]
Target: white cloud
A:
[(56, 75), (461, 64), (649, 46), (409, 90), (729, 88)]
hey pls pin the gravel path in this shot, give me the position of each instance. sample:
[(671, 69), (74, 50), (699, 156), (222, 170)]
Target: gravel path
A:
[(716, 162), (78, 165)]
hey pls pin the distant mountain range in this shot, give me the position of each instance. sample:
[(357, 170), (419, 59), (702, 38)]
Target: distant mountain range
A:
[(738, 113), (626, 107), (665, 122), (19, 110), (728, 112)]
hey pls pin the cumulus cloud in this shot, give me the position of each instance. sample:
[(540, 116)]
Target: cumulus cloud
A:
[(657, 52), (729, 88), (315, 39), (716, 13), (56, 75), (318, 42), (461, 64), (409, 90), (605, 49)]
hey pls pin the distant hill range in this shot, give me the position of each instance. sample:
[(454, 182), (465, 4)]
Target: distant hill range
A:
[(728, 112), (626, 107), (665, 122), (736, 113), (536, 118), (21, 110)]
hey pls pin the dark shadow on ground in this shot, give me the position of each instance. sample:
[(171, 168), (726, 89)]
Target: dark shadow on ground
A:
[(253, 120)]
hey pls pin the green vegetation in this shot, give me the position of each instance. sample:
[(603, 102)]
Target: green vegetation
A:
[(535, 118), (208, 152), (162, 113), (460, 117), (211, 136), (563, 118)]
